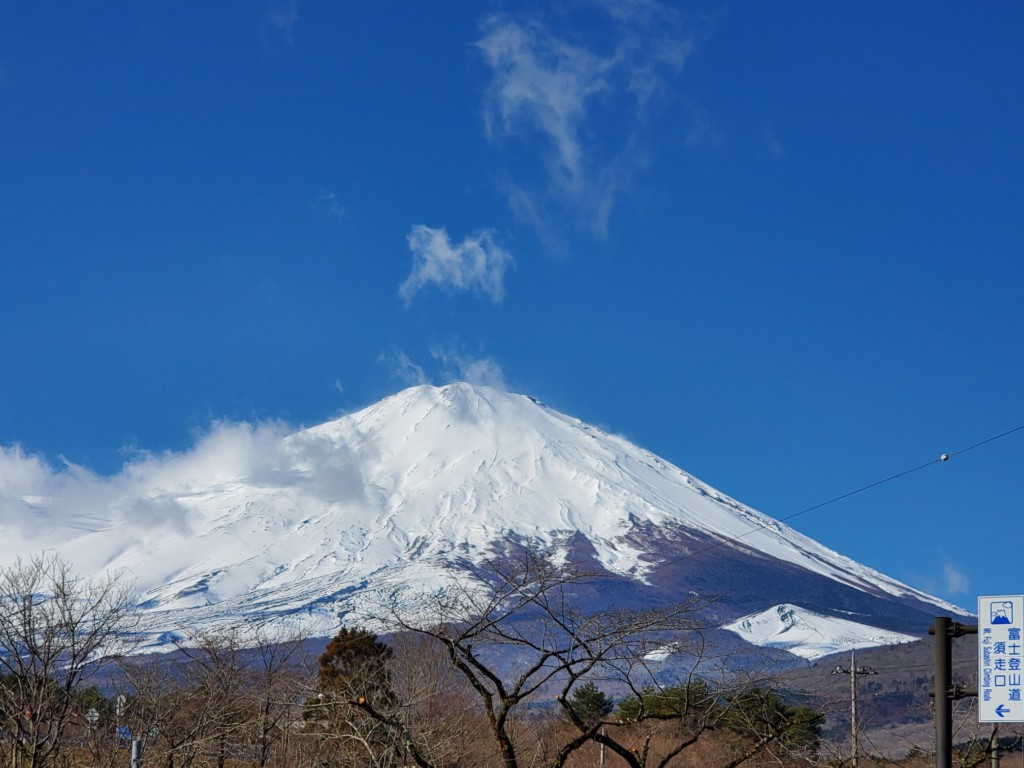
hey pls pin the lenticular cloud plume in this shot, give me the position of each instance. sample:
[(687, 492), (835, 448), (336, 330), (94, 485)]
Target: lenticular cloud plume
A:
[(476, 264)]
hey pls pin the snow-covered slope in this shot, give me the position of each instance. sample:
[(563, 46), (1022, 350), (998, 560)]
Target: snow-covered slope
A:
[(294, 525), (808, 634)]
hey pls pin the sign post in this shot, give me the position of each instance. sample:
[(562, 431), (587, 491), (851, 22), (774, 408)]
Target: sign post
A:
[(1000, 653), (945, 692)]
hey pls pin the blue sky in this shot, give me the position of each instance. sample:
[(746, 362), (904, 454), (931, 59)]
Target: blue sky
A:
[(779, 244)]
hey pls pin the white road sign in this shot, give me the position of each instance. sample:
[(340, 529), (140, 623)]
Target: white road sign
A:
[(1000, 653)]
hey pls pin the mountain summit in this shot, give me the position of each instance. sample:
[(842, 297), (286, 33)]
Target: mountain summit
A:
[(431, 479)]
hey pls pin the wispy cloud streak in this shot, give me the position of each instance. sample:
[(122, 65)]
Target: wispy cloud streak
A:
[(541, 83), (544, 85), (402, 367), (328, 201), (955, 581)]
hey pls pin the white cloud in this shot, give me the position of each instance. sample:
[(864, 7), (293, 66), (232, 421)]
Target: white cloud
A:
[(544, 85), (403, 368), (455, 365), (458, 366), (43, 506), (949, 582), (956, 581), (476, 264), (329, 202), (644, 11), (225, 454), (541, 83)]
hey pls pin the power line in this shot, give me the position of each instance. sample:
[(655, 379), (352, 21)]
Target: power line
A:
[(987, 440), (852, 493), (733, 539)]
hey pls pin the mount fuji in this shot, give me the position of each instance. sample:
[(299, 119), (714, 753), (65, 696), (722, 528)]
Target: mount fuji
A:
[(292, 527)]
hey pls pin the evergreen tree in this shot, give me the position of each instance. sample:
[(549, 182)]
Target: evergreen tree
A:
[(694, 700), (354, 664), (355, 689), (760, 714), (590, 703)]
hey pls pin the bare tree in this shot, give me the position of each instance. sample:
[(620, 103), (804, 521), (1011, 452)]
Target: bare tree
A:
[(168, 697), (56, 630), (223, 696), (437, 705), (274, 694), (528, 612)]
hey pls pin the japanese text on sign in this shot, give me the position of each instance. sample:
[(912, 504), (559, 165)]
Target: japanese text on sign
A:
[(1000, 653)]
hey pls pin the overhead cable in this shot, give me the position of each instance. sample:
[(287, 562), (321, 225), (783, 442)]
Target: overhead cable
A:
[(942, 458)]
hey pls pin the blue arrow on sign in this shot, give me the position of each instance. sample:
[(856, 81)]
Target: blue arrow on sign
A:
[(1002, 710)]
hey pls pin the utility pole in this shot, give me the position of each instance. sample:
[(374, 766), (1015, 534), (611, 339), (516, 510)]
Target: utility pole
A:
[(945, 693), (853, 671)]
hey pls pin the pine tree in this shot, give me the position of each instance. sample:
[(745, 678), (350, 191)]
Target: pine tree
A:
[(354, 681), (354, 664), (590, 703)]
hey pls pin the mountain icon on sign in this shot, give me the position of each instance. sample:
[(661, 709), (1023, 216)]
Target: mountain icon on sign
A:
[(1001, 612)]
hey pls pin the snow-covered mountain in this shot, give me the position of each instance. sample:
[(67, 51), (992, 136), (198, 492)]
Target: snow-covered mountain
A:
[(411, 489), (810, 635)]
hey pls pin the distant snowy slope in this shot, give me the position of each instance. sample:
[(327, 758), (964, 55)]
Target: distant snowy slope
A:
[(808, 634), (409, 488)]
